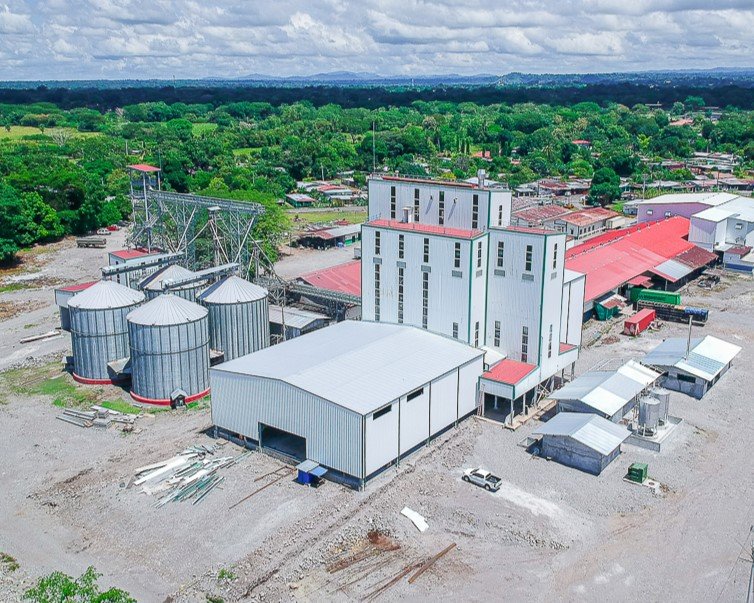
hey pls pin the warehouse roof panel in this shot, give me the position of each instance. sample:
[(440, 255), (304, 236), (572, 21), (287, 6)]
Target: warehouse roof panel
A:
[(608, 391), (590, 430), (706, 358), (358, 365)]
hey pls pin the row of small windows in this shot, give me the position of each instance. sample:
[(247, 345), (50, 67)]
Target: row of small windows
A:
[(528, 258), (440, 208)]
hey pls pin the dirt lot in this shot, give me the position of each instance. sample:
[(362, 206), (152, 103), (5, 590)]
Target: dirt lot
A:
[(27, 303), (551, 533)]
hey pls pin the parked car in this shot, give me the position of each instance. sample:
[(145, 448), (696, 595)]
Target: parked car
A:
[(103, 231), (113, 228), (482, 478)]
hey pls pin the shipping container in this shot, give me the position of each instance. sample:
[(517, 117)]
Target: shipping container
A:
[(639, 322), (662, 297)]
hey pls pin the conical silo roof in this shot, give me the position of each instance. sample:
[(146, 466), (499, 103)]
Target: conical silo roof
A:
[(173, 272), (166, 309), (232, 290), (104, 295)]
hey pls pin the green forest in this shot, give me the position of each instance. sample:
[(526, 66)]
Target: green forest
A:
[(63, 170)]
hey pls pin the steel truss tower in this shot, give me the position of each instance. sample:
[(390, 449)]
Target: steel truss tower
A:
[(176, 223)]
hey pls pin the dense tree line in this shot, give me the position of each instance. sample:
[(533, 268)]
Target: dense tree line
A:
[(64, 169), (372, 97)]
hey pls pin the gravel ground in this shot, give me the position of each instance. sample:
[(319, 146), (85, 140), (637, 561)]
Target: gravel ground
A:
[(295, 261), (39, 271), (551, 533)]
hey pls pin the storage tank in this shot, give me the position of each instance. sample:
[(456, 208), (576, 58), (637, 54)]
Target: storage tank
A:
[(649, 413), (239, 321), (99, 332), (152, 285), (169, 339), (663, 395)]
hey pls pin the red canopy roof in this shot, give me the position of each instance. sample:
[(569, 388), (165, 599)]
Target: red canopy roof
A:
[(345, 278), (509, 371), (78, 287), (143, 167), (129, 254)]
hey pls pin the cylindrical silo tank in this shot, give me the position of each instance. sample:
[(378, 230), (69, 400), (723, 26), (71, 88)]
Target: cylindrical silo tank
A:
[(153, 284), (239, 321), (99, 331), (663, 395), (649, 412), (169, 338)]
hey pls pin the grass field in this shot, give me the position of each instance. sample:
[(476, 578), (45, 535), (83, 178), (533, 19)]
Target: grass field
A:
[(199, 129), (21, 132)]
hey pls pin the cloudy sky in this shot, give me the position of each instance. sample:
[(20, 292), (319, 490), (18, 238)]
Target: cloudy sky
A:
[(117, 39)]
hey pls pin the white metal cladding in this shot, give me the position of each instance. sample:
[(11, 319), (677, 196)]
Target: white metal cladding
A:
[(356, 364), (458, 202), (171, 353), (98, 337), (99, 333), (333, 433)]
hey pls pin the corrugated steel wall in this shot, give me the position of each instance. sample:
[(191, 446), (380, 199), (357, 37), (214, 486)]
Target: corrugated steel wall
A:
[(167, 357), (333, 434), (239, 329), (188, 293), (98, 337)]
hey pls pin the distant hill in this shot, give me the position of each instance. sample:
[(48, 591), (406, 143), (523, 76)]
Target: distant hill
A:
[(704, 78)]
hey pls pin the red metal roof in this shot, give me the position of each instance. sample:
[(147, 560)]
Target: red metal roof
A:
[(509, 371), (739, 250), (143, 167), (696, 257), (538, 231), (129, 254), (540, 213), (78, 287), (431, 229), (565, 347), (345, 278), (614, 258), (589, 216)]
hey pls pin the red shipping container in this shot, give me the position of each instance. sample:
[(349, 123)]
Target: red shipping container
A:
[(639, 322)]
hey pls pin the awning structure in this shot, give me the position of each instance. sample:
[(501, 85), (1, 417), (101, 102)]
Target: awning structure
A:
[(640, 281), (671, 270)]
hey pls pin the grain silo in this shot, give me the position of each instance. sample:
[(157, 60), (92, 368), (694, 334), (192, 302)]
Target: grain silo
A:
[(239, 321), (153, 284), (169, 338), (99, 332)]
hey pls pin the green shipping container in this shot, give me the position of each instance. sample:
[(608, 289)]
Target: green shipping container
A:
[(662, 297)]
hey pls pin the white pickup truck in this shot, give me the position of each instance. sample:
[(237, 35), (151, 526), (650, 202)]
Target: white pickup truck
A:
[(483, 479)]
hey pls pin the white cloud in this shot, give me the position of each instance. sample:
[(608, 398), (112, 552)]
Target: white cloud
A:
[(54, 39)]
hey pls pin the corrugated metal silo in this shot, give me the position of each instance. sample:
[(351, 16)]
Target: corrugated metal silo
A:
[(99, 332), (169, 338), (239, 321), (152, 285)]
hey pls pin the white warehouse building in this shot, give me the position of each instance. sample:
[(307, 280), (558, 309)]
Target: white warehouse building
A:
[(355, 397)]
